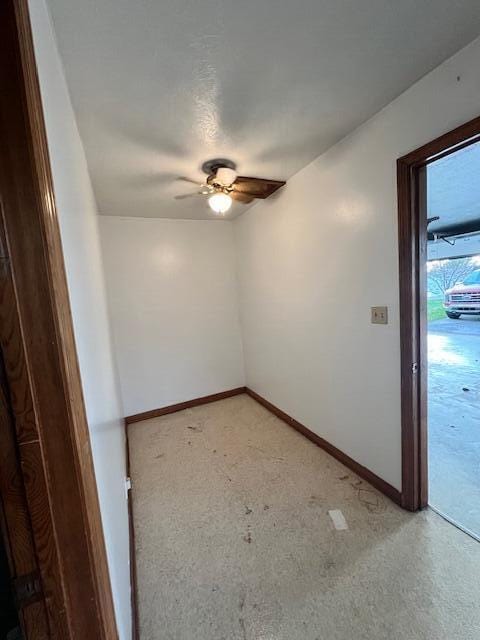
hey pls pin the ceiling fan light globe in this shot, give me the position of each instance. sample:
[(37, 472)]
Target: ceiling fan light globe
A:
[(220, 202), (225, 176)]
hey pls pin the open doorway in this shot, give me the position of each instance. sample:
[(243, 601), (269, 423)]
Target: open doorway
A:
[(439, 249), (453, 314)]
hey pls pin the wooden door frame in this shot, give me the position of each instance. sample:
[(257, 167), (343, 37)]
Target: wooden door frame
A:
[(41, 360), (412, 243)]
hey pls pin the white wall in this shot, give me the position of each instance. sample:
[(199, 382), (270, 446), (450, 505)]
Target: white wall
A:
[(172, 294), (314, 259), (81, 246)]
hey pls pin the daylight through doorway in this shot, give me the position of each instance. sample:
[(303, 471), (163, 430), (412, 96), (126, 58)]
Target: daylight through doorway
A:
[(453, 320)]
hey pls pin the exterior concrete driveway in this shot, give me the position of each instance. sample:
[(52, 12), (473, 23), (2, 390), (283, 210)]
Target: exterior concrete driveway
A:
[(454, 419)]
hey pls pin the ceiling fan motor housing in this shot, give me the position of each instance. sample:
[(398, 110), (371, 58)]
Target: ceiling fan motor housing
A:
[(221, 174), (210, 167)]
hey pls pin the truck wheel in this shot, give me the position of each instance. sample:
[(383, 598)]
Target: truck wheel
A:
[(452, 315)]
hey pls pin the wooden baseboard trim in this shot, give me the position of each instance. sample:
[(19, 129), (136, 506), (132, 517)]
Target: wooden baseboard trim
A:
[(383, 486), (133, 572), (133, 561), (155, 413)]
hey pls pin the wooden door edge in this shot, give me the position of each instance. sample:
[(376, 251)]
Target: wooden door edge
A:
[(46, 248)]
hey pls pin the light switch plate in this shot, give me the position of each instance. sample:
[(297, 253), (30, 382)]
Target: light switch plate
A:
[(379, 315)]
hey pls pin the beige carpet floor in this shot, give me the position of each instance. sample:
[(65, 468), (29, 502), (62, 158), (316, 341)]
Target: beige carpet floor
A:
[(234, 540)]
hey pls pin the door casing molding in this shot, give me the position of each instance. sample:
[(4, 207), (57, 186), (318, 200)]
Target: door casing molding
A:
[(412, 245)]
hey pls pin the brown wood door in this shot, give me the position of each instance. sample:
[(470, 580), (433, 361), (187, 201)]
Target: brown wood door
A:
[(16, 527), (38, 345)]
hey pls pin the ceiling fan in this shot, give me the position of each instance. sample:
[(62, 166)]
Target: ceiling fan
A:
[(223, 185)]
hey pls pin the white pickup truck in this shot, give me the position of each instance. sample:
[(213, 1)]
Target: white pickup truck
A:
[(464, 297)]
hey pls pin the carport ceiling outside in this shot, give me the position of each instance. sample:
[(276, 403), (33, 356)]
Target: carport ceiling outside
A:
[(160, 86), (453, 191)]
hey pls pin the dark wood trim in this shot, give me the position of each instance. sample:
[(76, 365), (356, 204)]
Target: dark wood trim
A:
[(444, 145), (410, 333), (32, 481), (132, 555), (133, 572), (380, 484), (412, 244), (56, 460), (155, 413)]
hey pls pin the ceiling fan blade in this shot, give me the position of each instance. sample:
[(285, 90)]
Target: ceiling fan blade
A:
[(239, 196), (189, 195), (184, 179), (257, 187)]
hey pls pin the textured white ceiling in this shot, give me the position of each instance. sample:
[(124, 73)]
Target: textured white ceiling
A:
[(159, 86)]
